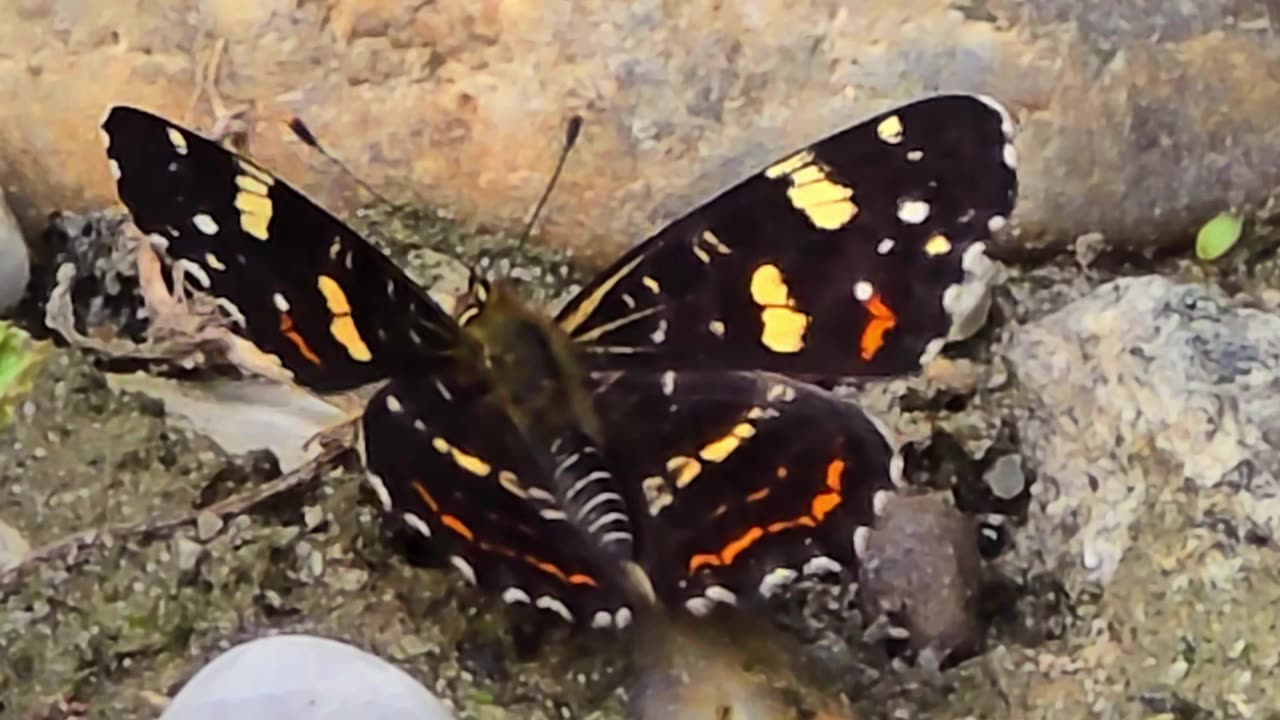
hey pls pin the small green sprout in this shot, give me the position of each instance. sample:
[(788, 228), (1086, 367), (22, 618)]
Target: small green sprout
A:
[(20, 357), (1218, 236)]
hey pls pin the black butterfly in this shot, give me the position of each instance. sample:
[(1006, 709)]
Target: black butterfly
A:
[(551, 458)]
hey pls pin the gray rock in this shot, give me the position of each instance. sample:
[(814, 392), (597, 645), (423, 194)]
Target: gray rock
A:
[(15, 264), (921, 564), (301, 677), (1141, 391)]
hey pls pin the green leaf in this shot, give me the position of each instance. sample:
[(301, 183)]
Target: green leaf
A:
[(1218, 236), (20, 357)]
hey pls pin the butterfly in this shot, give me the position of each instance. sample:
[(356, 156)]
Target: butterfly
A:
[(655, 439)]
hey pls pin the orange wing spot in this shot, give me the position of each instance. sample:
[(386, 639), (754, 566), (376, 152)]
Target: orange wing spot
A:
[(835, 471), (728, 552), (546, 567), (823, 504), (456, 525), (699, 560), (802, 521), (286, 327), (882, 321), (552, 569), (426, 497), (820, 506)]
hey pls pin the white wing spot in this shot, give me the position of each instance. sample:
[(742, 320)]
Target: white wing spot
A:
[(668, 382), (1006, 122), (716, 327), (393, 404), (212, 261), (280, 302), (515, 596), (659, 334), (546, 602), (821, 565), (863, 290), (776, 579), (880, 501), (602, 619), (1010, 156), (996, 223), (115, 169), (205, 224), (699, 606), (721, 594), (416, 523), (622, 617), (464, 567), (380, 489), (861, 539), (913, 212), (915, 155), (885, 246)]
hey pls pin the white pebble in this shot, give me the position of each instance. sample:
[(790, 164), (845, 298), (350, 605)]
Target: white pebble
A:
[(302, 677)]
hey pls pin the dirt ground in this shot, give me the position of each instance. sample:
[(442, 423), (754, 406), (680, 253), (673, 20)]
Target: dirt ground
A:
[(134, 588)]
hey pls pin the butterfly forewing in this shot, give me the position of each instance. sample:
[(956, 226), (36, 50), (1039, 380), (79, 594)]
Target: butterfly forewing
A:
[(844, 258), (335, 311)]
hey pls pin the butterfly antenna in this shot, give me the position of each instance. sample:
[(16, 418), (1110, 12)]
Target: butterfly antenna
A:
[(572, 130), (308, 138)]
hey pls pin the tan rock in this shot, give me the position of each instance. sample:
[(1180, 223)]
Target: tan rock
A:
[(1139, 118)]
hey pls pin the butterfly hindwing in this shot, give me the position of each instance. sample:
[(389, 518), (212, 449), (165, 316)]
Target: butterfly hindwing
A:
[(738, 483), (454, 467), (335, 311), (741, 482), (846, 258)]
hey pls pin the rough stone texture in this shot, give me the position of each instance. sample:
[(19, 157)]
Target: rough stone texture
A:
[(1143, 387), (1152, 423), (1140, 118)]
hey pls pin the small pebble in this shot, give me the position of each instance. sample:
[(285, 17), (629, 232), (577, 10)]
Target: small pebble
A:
[(207, 525), (302, 677), (15, 261), (1005, 477), (312, 516), (187, 552), (13, 547)]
